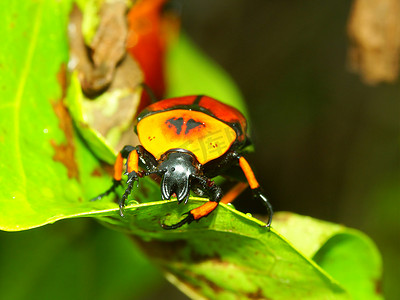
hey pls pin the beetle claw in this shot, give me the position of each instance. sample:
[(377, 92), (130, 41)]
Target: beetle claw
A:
[(187, 220), (121, 201), (121, 211), (132, 176), (268, 226)]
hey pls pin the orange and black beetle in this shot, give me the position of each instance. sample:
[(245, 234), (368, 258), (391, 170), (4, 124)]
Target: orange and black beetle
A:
[(186, 141)]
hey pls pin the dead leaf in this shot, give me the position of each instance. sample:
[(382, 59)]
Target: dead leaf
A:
[(374, 33)]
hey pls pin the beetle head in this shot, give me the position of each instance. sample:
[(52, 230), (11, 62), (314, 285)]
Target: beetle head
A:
[(177, 166)]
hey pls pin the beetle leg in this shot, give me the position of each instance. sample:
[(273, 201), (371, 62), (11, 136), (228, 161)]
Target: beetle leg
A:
[(115, 184), (121, 202), (148, 160), (255, 186), (118, 165), (132, 166), (132, 169), (215, 194), (234, 192), (132, 156)]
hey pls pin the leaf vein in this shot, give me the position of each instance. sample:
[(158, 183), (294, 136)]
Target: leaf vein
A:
[(21, 88)]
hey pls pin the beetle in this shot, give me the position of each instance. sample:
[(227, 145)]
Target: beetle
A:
[(187, 141)]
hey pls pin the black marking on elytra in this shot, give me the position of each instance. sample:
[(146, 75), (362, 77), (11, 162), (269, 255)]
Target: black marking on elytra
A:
[(191, 124), (175, 122), (197, 100)]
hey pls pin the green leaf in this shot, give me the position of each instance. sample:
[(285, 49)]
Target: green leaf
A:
[(346, 254), (227, 255), (47, 171)]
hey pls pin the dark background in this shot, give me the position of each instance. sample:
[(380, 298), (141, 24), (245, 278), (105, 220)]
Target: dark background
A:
[(327, 145)]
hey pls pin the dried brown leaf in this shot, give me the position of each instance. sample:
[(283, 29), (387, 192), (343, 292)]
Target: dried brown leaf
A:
[(374, 33)]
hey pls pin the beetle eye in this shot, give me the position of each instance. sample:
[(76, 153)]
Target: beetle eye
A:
[(172, 169)]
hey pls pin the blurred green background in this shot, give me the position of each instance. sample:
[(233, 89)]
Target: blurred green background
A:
[(327, 146)]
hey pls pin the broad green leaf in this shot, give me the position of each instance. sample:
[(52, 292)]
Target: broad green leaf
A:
[(47, 171), (346, 254), (227, 255), (225, 247)]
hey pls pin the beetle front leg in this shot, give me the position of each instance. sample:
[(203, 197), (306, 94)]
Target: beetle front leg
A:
[(132, 156), (118, 166), (215, 194), (132, 170), (255, 187)]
